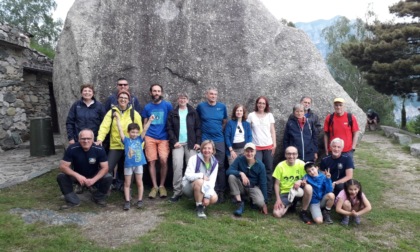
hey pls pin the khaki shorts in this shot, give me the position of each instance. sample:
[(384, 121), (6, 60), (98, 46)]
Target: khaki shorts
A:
[(155, 147)]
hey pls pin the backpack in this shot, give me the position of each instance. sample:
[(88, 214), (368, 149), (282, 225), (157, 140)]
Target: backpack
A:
[(331, 125)]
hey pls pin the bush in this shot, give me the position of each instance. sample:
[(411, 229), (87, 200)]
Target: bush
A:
[(414, 125)]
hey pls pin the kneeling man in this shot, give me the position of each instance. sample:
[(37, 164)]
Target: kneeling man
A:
[(248, 175), (90, 168)]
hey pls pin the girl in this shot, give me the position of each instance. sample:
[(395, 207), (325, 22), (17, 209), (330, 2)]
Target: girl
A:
[(351, 201)]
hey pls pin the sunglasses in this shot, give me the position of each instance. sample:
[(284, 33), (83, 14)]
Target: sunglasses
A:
[(122, 85), (240, 130)]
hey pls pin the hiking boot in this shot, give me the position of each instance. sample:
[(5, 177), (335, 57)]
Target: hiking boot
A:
[(153, 193), (357, 220), (78, 189), (304, 217), (68, 206), (220, 198), (240, 210), (127, 205), (162, 192), (200, 212), (345, 221), (174, 198), (140, 204), (99, 202), (326, 216)]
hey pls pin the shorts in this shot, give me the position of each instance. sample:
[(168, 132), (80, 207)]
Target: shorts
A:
[(153, 147), (128, 171), (315, 209), (285, 199)]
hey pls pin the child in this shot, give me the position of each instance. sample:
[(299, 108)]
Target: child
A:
[(322, 195), (351, 201), (134, 158)]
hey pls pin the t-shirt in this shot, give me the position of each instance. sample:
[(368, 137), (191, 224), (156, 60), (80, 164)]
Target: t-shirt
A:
[(212, 117), (157, 129), (85, 163), (342, 195), (183, 136), (288, 175), (134, 155), (261, 129), (239, 136), (340, 128), (337, 166)]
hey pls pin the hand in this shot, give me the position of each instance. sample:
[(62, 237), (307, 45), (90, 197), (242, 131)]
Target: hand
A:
[(89, 182), (264, 209), (245, 180), (99, 142), (278, 205), (206, 201), (196, 147), (297, 184), (177, 145), (327, 173), (81, 179), (151, 118), (303, 184), (116, 115), (71, 141), (233, 154), (354, 213)]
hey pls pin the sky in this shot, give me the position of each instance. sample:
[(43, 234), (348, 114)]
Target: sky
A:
[(299, 10)]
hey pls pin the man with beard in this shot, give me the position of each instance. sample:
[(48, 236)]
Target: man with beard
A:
[(156, 139), (122, 84)]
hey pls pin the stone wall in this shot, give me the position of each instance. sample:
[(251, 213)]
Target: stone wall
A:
[(25, 80)]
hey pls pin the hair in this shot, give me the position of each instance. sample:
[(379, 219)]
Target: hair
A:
[(337, 140), (305, 97), (133, 126), (349, 183), (121, 78), (309, 165), (86, 129), (87, 85), (156, 84), (267, 105), (244, 116), (183, 94), (211, 88), (205, 142), (298, 106), (124, 92)]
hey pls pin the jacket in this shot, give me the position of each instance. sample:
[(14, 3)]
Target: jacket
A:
[(125, 120), (191, 174), (230, 131), (305, 140), (193, 127), (81, 117)]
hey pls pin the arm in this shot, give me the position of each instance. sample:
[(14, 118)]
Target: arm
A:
[(173, 140), (147, 125), (355, 139), (273, 137), (105, 127), (233, 168), (65, 167), (278, 203), (326, 142), (197, 128), (120, 130), (190, 170), (224, 123), (102, 172), (71, 124), (367, 205), (349, 175)]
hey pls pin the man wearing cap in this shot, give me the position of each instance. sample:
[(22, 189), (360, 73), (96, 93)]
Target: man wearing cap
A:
[(157, 141), (184, 130), (341, 125), (288, 175), (247, 175)]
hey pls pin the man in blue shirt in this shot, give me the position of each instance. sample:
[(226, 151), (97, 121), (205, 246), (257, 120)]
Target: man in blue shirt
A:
[(156, 139), (213, 116), (122, 84)]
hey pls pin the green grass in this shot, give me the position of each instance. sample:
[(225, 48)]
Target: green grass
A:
[(383, 229)]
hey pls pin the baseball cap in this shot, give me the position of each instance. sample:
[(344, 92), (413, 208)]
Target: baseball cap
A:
[(295, 193), (309, 164), (250, 145), (339, 100)]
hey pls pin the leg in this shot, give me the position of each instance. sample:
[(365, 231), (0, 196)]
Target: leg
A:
[(178, 163), (103, 185), (65, 182), (139, 180), (127, 184), (198, 195), (267, 159), (163, 150), (221, 175), (315, 210), (152, 171), (281, 210), (236, 187), (307, 196)]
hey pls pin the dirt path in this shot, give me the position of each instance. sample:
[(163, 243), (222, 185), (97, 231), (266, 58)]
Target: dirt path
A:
[(403, 179)]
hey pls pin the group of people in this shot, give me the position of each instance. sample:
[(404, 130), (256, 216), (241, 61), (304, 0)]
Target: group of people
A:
[(203, 138)]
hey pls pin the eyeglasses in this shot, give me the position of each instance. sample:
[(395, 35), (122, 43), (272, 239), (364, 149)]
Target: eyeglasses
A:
[(122, 85), (240, 130), (85, 139), (123, 98), (291, 154)]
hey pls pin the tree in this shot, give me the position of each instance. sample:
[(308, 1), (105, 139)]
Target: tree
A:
[(390, 57), (34, 17), (348, 76)]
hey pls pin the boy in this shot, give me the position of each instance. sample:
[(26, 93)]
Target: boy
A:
[(134, 158), (322, 195)]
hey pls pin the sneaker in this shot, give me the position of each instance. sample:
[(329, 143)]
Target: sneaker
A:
[(140, 204), (345, 221), (162, 192), (153, 193), (78, 189), (357, 220), (99, 202), (68, 206), (174, 198), (220, 198), (200, 212), (326, 216), (240, 210), (127, 205), (304, 217)]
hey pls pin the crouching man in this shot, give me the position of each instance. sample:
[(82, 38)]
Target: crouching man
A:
[(247, 175), (90, 168)]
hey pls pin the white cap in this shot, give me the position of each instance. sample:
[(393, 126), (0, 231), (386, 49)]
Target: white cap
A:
[(250, 145), (295, 193)]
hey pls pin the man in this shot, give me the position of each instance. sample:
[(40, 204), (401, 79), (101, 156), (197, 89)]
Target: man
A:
[(156, 139), (372, 119), (248, 175), (342, 125), (90, 168), (306, 101), (213, 117), (338, 164), (184, 130), (122, 84), (288, 175)]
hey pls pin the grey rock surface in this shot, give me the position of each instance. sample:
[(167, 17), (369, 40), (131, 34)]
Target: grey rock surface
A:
[(415, 149), (186, 45), (402, 138)]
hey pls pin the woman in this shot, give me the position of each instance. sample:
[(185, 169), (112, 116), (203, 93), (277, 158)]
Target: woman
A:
[(237, 133), (86, 113), (200, 177), (264, 137), (109, 125), (300, 133)]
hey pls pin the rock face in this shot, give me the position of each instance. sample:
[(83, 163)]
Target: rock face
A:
[(187, 45)]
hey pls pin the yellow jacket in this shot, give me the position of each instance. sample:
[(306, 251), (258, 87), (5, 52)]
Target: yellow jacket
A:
[(125, 120)]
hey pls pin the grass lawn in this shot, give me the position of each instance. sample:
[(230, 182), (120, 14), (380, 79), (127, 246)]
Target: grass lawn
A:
[(384, 228)]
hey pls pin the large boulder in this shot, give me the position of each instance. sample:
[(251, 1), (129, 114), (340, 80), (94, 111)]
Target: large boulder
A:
[(235, 45)]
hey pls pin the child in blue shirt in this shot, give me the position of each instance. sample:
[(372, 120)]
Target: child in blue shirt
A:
[(322, 193), (134, 158)]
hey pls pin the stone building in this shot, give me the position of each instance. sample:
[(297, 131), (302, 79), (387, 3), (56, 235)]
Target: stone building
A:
[(26, 89)]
